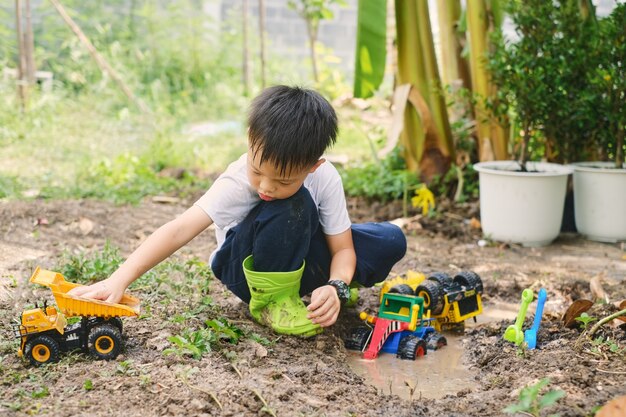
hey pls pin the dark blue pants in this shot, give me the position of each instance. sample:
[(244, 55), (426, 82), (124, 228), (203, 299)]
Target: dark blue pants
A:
[(281, 233)]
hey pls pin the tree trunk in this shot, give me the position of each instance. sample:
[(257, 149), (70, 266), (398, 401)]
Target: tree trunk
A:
[(245, 68), (312, 32), (410, 71), (453, 64), (492, 141), (22, 90), (29, 45), (435, 94)]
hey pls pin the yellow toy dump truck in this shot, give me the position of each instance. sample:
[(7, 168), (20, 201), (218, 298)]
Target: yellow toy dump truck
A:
[(451, 301), (44, 332)]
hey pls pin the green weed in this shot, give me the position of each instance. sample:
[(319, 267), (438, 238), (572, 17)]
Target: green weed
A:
[(584, 319), (600, 345), (126, 368), (88, 385), (191, 343), (532, 402), (83, 268), (196, 343), (10, 186)]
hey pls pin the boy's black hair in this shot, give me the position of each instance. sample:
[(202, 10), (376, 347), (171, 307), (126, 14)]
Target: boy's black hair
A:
[(291, 127)]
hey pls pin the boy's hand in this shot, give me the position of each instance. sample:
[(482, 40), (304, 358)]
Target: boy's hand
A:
[(105, 290), (325, 306)]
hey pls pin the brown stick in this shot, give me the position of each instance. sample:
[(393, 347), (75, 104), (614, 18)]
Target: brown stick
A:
[(104, 66)]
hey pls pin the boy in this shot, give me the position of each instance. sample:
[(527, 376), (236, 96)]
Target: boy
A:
[(281, 221)]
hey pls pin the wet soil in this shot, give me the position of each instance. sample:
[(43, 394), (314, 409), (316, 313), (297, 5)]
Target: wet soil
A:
[(312, 377)]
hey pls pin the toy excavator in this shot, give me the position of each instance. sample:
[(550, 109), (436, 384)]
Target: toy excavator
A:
[(399, 328), (451, 301), (44, 332)]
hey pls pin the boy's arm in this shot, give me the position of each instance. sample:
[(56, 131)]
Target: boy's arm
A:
[(166, 240), (325, 304)]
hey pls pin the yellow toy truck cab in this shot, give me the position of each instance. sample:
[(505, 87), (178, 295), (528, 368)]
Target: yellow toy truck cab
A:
[(451, 301), (44, 332)]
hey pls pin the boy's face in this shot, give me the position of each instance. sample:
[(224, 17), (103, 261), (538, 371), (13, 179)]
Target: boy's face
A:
[(270, 184)]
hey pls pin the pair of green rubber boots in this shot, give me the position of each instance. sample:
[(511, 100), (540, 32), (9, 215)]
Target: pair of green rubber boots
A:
[(275, 301)]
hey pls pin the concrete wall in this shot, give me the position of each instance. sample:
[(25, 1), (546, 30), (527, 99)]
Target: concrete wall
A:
[(286, 33)]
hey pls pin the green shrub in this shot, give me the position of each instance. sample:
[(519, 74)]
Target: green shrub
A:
[(383, 180)]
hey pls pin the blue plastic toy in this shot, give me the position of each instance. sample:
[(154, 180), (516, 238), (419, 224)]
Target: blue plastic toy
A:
[(530, 335)]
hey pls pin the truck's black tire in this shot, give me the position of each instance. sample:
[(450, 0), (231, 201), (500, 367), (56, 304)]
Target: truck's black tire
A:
[(105, 341), (435, 341), (411, 347), (470, 280), (358, 338), (404, 289), (42, 349), (432, 293), (442, 278), (118, 323)]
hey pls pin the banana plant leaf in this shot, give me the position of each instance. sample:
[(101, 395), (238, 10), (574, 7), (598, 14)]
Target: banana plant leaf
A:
[(371, 49)]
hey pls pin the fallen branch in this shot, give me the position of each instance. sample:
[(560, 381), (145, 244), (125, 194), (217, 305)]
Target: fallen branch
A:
[(610, 372), (607, 319), (588, 335)]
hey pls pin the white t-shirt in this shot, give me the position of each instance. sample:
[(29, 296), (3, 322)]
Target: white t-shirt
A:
[(230, 199)]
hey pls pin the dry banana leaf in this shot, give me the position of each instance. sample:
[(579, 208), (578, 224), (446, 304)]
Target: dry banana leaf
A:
[(575, 310), (597, 292), (614, 408)]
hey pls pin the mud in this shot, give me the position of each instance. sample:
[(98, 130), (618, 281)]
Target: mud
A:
[(266, 374)]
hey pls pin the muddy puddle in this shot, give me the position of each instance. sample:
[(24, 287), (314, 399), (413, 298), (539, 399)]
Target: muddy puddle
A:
[(435, 375)]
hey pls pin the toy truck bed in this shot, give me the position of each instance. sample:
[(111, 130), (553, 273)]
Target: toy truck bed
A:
[(71, 305)]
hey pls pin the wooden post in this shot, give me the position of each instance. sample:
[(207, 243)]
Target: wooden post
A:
[(21, 64), (29, 45), (262, 40), (104, 66)]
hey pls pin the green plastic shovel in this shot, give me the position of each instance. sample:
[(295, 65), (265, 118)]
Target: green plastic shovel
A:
[(514, 332)]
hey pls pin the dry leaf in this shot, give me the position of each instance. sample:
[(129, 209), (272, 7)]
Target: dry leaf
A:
[(597, 292), (475, 223), (163, 199), (85, 225), (575, 310), (406, 222), (260, 351), (614, 408), (621, 305)]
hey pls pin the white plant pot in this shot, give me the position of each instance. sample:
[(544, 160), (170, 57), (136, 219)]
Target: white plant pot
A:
[(522, 207), (600, 201)]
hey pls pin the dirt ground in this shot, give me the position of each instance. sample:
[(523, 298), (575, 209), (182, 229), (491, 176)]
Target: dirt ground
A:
[(289, 376)]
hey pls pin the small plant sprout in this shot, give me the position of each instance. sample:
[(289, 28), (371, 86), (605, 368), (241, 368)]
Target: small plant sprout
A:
[(585, 319), (532, 403)]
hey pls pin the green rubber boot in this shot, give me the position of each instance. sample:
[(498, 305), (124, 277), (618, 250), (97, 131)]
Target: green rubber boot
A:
[(275, 301), (354, 294)]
